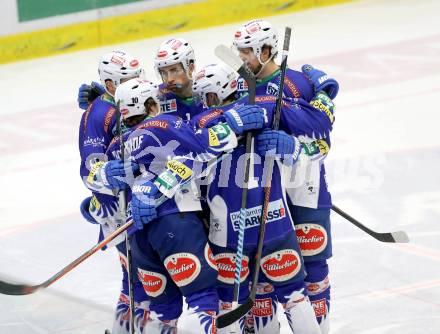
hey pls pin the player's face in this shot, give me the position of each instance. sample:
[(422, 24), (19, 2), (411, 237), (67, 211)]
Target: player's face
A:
[(248, 56), (174, 77)]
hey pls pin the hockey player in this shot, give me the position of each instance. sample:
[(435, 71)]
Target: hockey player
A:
[(310, 203), (281, 264), (171, 252), (174, 63), (97, 129)]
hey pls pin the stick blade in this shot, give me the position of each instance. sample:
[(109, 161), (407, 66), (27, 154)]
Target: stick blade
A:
[(229, 318), (16, 289), (400, 237), (227, 56)]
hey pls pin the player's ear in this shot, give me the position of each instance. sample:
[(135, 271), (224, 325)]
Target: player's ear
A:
[(265, 53), (191, 69)]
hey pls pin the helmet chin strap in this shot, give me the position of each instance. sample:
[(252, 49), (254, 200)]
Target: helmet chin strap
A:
[(263, 64)]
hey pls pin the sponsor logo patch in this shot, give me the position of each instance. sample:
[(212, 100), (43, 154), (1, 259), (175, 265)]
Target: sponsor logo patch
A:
[(209, 256), (242, 85), (226, 267), (320, 307), (312, 238), (281, 265), (213, 139), (183, 268), (179, 168), (153, 283), (276, 211), (154, 124), (262, 307), (168, 106), (208, 117)]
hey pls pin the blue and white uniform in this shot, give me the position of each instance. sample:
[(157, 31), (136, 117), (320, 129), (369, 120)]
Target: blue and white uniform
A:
[(97, 129), (282, 268), (307, 189), (171, 253)]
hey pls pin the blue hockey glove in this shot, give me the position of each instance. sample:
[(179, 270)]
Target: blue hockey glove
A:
[(278, 143), (320, 81), (88, 93), (143, 203), (114, 174), (249, 117)]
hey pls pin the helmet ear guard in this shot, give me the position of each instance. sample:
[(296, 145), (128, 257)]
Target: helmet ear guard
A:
[(215, 78)]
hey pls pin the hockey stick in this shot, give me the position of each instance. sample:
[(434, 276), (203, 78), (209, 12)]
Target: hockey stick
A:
[(234, 315), (122, 208), (24, 289), (394, 237), (225, 54)]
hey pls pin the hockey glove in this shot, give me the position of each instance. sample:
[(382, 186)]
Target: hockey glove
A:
[(117, 174), (246, 118), (320, 81), (279, 144), (143, 203), (88, 93)]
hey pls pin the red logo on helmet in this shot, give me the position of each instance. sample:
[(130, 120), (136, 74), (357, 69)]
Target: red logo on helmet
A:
[(134, 63), (282, 265), (226, 267), (209, 256), (237, 34), (118, 60), (153, 283), (233, 84), (175, 44), (200, 75), (183, 268), (312, 238), (253, 28), (162, 54)]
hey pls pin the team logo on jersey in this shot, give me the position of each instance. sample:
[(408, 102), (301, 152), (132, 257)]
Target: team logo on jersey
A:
[(209, 256), (183, 268), (320, 307), (276, 211), (262, 307), (226, 267), (179, 168), (272, 89), (281, 265), (242, 85), (168, 106), (153, 283), (312, 238)]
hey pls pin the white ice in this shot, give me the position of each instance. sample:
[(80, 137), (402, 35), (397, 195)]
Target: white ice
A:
[(383, 169)]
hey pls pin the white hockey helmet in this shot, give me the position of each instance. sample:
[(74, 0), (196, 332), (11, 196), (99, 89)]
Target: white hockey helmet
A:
[(117, 65), (255, 34), (132, 95), (215, 78), (174, 51)]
